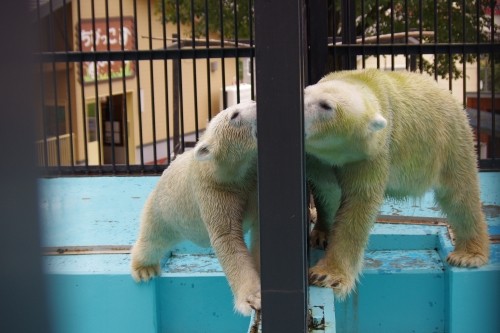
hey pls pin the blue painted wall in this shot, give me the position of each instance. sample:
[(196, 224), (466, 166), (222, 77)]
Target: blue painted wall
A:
[(407, 285)]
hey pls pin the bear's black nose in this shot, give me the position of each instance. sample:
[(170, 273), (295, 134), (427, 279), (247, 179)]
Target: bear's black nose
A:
[(234, 115)]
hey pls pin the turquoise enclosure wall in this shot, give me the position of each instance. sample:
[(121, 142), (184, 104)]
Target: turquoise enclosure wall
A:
[(406, 286)]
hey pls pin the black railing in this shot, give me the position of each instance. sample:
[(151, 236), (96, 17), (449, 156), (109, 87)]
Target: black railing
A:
[(455, 41), (167, 79), (134, 82)]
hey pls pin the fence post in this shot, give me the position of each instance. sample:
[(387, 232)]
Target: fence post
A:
[(348, 13), (280, 49), (22, 297), (317, 37)]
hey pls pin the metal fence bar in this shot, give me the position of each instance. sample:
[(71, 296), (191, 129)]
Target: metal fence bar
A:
[(68, 89), (124, 88), (152, 86), (110, 94), (23, 301), (165, 73), (280, 82), (317, 36), (139, 99), (391, 35)]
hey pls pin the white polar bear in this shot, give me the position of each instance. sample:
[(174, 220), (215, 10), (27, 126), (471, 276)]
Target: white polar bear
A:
[(209, 195), (370, 134)]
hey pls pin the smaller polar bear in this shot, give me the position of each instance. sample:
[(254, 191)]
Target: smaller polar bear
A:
[(209, 195), (370, 134)]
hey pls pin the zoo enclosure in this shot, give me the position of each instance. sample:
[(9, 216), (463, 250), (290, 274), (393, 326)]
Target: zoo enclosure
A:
[(162, 94), (122, 92)]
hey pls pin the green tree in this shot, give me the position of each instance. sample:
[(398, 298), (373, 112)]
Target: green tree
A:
[(237, 16), (451, 22)]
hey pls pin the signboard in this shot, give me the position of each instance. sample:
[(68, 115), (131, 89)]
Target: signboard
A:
[(94, 37), (487, 9)]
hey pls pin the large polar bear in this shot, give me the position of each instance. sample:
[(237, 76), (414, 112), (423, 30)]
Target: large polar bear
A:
[(372, 133), (208, 195)]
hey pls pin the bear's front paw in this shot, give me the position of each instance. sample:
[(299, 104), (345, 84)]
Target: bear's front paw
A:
[(246, 304), (318, 239), (467, 259), (323, 276), (145, 273)]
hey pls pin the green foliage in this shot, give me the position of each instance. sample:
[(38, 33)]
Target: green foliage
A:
[(451, 22), (203, 15)]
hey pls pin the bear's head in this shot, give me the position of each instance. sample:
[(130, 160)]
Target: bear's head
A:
[(231, 136), (342, 122)]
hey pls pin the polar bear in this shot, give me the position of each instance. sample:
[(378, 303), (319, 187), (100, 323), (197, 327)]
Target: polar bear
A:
[(370, 134), (209, 195)]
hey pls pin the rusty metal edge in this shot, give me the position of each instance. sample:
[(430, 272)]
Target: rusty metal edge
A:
[(432, 221), (125, 249), (85, 250)]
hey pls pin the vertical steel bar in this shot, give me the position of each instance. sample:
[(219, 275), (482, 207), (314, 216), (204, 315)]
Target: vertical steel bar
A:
[(42, 91), (317, 38), (334, 37), (24, 303), (139, 95), (237, 58), (209, 67), (68, 87), (124, 88), (96, 89), (450, 57), (223, 59), (377, 3), (464, 57), (421, 34), (152, 89), (407, 19), (478, 73), (349, 32), (52, 48), (82, 86), (392, 35), (195, 81), (280, 82), (252, 58), (110, 94), (436, 39), (165, 73), (492, 64), (363, 34), (179, 77)]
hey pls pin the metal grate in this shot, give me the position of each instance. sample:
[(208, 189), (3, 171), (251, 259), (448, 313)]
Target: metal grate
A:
[(457, 42), (136, 80), (132, 104)]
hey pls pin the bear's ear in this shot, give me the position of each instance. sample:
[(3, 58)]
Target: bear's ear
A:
[(377, 123), (202, 151)]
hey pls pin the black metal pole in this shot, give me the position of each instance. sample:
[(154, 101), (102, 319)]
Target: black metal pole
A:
[(280, 49), (317, 37), (348, 10), (23, 305)]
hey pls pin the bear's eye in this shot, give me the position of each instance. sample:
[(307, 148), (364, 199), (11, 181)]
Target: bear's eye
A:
[(325, 106), (235, 115)]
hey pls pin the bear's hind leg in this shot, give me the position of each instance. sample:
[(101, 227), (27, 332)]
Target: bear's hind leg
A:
[(461, 204)]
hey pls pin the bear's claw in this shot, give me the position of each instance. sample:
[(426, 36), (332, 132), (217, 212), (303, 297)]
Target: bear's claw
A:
[(145, 273), (318, 239), (341, 284), (466, 259), (252, 301)]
